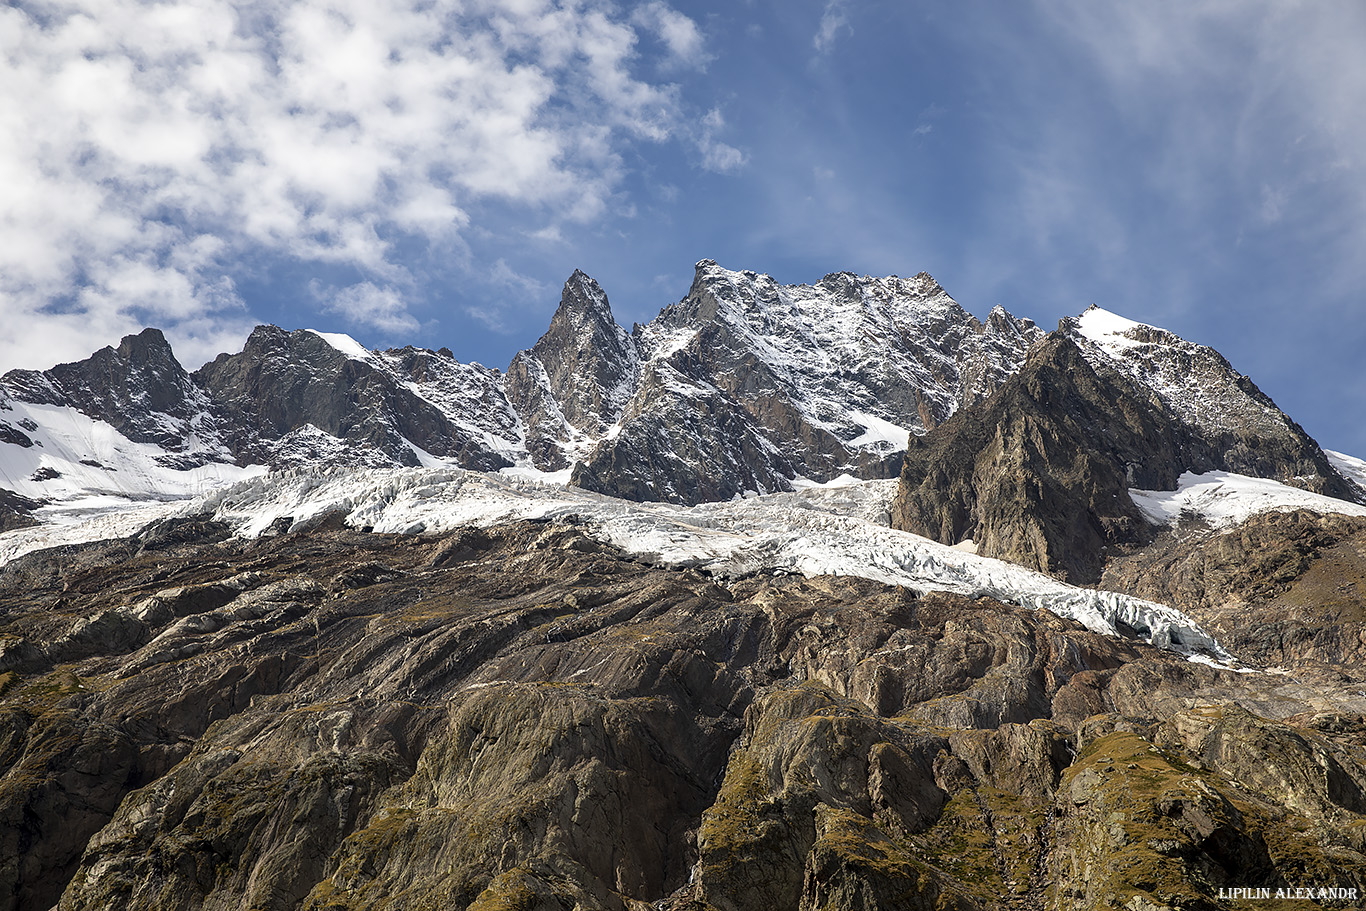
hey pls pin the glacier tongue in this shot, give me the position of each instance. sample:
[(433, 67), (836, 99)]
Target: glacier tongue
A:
[(837, 529)]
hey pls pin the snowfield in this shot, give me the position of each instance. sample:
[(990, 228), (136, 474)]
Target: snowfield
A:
[(1221, 499), (74, 458), (1350, 467)]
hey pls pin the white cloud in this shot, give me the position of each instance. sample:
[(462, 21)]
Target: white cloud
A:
[(834, 19), (679, 33), (1273, 201), (1258, 101), (508, 292), (146, 147), (367, 304), (504, 276), (716, 155), (550, 234)]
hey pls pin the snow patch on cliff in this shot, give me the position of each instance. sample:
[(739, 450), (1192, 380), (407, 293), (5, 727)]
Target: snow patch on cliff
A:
[(345, 344), (1222, 499), (1350, 467)]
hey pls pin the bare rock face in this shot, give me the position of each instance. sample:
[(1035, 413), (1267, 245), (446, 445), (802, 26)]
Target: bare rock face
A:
[(1239, 426), (522, 717), (16, 511), (1281, 589), (294, 398), (1039, 473), (746, 384), (575, 381), (673, 427)]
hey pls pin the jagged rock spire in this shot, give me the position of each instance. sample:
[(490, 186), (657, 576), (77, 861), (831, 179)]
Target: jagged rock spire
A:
[(578, 376)]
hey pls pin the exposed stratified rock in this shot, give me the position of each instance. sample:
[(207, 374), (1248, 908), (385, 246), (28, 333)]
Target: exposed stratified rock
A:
[(288, 395), (520, 716), (1280, 589)]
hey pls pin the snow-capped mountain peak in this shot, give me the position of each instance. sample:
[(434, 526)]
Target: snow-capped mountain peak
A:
[(1241, 428), (744, 385), (344, 343)]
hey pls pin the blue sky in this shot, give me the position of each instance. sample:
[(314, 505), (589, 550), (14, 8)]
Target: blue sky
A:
[(430, 172)]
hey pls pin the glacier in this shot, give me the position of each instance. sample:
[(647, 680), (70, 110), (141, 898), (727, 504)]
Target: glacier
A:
[(836, 529)]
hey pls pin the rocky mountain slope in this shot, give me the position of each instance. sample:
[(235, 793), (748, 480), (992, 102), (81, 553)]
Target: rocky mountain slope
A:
[(523, 717), (304, 398), (138, 389), (762, 382), (744, 385), (1239, 427), (529, 640), (1041, 472)]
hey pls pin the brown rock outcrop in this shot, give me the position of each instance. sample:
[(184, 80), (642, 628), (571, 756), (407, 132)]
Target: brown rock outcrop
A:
[(521, 717), (1039, 473)]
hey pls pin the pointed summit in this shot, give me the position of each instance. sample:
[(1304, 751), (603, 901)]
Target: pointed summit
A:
[(579, 375), (583, 306), (585, 352)]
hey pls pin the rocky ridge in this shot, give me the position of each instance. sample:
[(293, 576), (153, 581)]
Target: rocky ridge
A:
[(834, 377), (744, 385), (294, 708), (289, 395), (1240, 427), (575, 381), (139, 389)]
